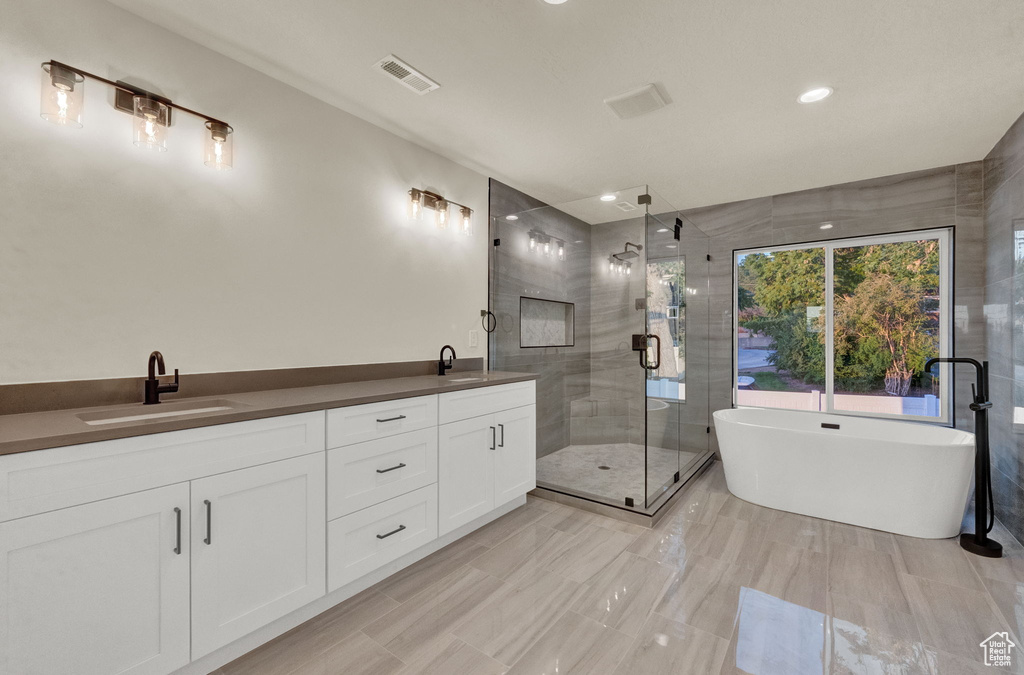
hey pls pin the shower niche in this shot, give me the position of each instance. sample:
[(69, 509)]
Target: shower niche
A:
[(546, 323), (571, 287)]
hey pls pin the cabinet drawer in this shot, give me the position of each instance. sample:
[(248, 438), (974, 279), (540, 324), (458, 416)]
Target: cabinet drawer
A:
[(365, 540), (359, 423), (368, 473), (46, 480), (461, 405)]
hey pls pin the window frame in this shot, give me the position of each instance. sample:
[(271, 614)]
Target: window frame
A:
[(946, 274)]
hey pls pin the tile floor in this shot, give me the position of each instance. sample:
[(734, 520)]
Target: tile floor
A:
[(577, 468), (719, 586)]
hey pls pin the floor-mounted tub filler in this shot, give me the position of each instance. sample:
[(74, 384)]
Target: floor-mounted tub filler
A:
[(903, 477)]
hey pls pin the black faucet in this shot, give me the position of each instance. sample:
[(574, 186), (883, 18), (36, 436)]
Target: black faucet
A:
[(153, 386), (442, 365), (979, 543)]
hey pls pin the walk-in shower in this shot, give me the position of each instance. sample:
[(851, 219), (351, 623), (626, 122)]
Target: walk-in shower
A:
[(607, 301)]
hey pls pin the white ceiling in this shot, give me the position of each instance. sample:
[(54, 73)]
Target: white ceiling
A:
[(919, 83)]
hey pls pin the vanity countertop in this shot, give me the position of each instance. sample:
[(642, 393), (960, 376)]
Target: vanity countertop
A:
[(39, 430)]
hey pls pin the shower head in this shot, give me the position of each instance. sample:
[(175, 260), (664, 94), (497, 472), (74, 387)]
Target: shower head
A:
[(627, 254)]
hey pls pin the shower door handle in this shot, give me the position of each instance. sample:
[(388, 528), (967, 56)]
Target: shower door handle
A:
[(657, 351)]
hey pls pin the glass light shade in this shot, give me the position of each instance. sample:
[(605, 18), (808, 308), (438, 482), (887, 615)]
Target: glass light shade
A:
[(415, 204), (629, 269), (533, 243), (62, 96), (561, 251), (547, 248), (467, 221), (441, 211), (219, 146), (150, 128)]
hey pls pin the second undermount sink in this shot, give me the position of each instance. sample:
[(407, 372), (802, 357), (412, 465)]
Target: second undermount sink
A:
[(143, 413), (456, 380)]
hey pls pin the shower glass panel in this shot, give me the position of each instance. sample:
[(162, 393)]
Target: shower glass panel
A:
[(583, 294)]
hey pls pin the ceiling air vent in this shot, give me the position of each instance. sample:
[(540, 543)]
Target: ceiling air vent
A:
[(406, 75), (625, 206), (638, 102)]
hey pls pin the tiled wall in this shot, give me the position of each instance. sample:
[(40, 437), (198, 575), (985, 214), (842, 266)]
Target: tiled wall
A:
[(1004, 215), (516, 272), (949, 196)]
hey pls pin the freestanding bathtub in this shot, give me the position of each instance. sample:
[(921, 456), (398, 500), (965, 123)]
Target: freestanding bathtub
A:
[(901, 477)]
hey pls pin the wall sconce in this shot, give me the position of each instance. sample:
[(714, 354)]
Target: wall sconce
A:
[(62, 99), (544, 244), (618, 268), (424, 199)]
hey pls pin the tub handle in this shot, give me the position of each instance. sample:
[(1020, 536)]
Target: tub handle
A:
[(657, 351)]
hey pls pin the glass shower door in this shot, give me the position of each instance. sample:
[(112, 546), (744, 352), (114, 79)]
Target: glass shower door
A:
[(665, 281)]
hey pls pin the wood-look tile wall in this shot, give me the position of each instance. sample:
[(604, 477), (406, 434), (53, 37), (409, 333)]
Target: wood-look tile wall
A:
[(1004, 313), (950, 196)]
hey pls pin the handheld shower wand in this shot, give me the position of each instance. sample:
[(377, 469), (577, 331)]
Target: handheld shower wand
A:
[(984, 511)]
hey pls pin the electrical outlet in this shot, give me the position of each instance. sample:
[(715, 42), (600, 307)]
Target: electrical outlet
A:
[(474, 338)]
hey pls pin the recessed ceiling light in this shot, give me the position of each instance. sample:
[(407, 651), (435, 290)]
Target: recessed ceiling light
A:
[(670, 245), (554, 2), (815, 95), (662, 229), (513, 217), (825, 226), (607, 198)]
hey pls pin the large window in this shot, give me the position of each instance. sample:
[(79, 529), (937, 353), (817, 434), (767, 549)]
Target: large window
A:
[(845, 326)]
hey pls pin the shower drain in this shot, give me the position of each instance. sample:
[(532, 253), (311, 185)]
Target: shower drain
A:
[(603, 467)]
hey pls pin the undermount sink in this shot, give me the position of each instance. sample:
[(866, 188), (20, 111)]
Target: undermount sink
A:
[(453, 380), (161, 411)]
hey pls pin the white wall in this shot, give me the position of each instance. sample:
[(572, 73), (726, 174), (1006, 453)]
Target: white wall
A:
[(300, 256)]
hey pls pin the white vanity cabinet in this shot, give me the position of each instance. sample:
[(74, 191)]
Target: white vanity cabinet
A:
[(179, 551), (100, 577), (99, 588), (487, 450)]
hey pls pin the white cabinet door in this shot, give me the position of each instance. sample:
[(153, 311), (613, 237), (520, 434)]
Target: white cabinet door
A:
[(99, 588), (515, 460), (258, 548), (465, 471)]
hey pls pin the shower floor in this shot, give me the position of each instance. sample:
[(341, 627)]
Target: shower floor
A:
[(577, 468)]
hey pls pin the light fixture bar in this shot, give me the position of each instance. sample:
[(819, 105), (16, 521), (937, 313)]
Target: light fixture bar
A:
[(126, 93), (425, 199)]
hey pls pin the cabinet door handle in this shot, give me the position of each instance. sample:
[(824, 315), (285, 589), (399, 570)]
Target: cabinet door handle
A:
[(494, 438), (209, 522), (501, 443), (177, 541), (395, 531), (397, 466), (392, 419)]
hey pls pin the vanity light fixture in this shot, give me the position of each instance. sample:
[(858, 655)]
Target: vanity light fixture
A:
[(815, 95), (425, 199), (62, 99), (548, 246)]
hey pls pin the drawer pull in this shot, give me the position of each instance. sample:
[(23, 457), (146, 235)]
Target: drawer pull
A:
[(385, 536), (177, 545), (397, 466), (209, 522), (392, 419)]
